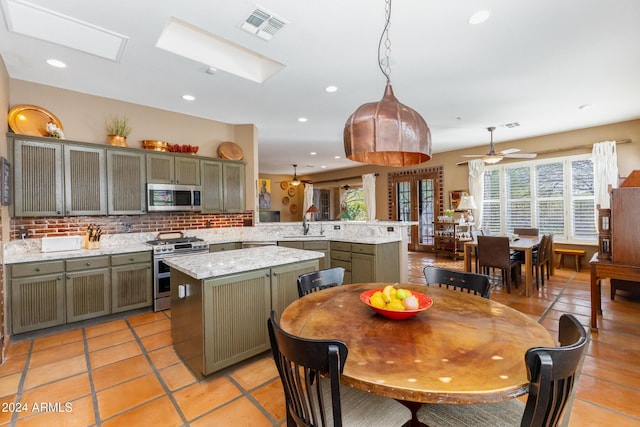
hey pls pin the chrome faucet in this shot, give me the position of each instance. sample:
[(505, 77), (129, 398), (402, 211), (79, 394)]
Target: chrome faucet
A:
[(305, 225)]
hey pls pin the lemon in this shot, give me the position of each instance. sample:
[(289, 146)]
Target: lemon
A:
[(377, 301), (395, 305), (401, 293)]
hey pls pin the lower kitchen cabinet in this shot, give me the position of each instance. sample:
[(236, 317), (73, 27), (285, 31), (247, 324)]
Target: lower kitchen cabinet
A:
[(367, 262), (229, 246), (311, 245), (221, 321), (88, 288), (52, 293), (131, 277), (37, 295)]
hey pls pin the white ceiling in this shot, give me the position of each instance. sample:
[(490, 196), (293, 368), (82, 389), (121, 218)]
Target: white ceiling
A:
[(532, 62)]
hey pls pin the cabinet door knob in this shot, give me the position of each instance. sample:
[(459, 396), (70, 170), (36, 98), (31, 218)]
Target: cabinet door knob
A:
[(37, 268), (268, 274), (88, 264)]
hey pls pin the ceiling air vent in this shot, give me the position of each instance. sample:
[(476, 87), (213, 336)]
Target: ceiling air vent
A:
[(263, 23), (510, 125)]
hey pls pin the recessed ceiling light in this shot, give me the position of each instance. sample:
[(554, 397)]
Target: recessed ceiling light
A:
[(323, 167), (336, 157), (331, 89), (584, 107), (56, 63), (479, 17), (313, 153), (302, 119), (188, 97)]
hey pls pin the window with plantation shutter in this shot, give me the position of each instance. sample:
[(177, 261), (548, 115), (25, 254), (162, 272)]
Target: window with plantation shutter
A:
[(554, 195)]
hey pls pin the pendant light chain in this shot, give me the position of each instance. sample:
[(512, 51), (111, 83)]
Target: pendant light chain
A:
[(386, 70)]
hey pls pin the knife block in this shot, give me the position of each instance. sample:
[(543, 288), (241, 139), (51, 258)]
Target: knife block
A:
[(90, 245)]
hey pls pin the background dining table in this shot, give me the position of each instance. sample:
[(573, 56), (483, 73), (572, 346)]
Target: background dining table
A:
[(525, 244), (464, 349)]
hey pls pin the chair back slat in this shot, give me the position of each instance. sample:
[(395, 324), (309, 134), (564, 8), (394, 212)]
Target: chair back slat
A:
[(552, 374), (466, 282), (527, 232), (301, 364), (318, 280)]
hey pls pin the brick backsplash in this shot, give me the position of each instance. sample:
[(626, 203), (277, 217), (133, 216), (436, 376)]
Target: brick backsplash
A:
[(77, 225)]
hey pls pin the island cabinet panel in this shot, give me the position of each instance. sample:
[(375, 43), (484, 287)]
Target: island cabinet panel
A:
[(229, 246), (38, 178), (235, 309), (37, 296), (126, 182), (367, 262), (284, 283), (131, 281)]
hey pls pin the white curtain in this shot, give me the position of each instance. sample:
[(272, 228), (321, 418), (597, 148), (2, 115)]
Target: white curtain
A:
[(369, 187), (308, 198), (476, 187), (605, 169)]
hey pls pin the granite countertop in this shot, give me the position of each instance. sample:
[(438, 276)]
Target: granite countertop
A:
[(208, 265)]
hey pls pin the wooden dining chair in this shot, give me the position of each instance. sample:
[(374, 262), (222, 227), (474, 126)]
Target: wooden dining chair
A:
[(493, 252), (526, 232), (318, 280), (553, 373), (310, 373), (478, 284)]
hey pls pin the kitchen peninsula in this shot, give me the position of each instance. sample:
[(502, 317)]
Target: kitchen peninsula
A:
[(219, 301)]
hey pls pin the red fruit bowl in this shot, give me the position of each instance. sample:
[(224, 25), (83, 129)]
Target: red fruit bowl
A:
[(424, 302)]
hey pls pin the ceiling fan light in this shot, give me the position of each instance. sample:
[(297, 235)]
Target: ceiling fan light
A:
[(387, 133), (492, 160), (295, 181)]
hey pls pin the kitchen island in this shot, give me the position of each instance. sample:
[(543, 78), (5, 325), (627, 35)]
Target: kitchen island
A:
[(220, 302)]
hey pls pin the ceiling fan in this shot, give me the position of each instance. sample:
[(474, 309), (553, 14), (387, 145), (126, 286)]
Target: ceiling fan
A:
[(493, 157)]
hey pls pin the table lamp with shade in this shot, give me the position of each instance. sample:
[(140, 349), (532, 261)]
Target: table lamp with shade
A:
[(467, 204)]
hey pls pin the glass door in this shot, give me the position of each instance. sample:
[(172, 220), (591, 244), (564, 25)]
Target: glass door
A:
[(415, 200)]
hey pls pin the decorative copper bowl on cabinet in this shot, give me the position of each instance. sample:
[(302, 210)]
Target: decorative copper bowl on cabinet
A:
[(149, 144)]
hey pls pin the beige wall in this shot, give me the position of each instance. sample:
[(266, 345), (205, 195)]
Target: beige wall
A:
[(84, 117), (278, 194), (456, 177)]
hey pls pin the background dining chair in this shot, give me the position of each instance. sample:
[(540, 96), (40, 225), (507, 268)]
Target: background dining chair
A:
[(318, 280), (526, 232), (553, 373), (310, 373), (478, 284), (493, 252)]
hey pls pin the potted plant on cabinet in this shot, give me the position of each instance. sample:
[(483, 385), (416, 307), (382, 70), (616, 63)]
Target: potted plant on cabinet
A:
[(118, 130)]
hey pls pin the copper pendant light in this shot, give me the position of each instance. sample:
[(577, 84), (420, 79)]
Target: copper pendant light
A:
[(387, 132)]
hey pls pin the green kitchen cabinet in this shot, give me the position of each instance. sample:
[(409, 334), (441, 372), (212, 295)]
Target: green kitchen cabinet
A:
[(131, 281), (173, 169), (88, 288), (222, 186), (311, 245), (37, 292), (38, 178), (367, 262), (284, 283), (126, 182), (85, 180), (228, 246)]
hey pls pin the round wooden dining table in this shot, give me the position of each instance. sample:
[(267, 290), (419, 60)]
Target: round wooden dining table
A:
[(463, 349)]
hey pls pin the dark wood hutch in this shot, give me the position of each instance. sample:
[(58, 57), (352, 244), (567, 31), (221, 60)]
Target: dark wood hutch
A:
[(618, 256)]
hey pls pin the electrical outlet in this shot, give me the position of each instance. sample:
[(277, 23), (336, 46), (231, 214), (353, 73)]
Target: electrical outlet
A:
[(390, 229), (336, 227), (127, 228), (22, 232)]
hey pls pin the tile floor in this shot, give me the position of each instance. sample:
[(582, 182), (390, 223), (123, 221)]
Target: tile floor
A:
[(125, 373)]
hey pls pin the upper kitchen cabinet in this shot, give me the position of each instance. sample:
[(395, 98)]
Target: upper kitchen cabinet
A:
[(126, 182), (55, 179), (85, 181), (38, 185), (172, 169), (222, 186)]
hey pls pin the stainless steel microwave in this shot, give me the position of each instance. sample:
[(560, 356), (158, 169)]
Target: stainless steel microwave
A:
[(173, 197)]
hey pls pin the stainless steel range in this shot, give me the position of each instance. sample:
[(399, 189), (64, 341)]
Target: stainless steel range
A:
[(165, 248)]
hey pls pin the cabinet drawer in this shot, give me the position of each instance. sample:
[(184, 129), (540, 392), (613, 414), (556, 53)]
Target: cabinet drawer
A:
[(343, 264), (341, 246), (218, 247), (37, 268), (341, 256), (293, 245), (362, 248), (316, 245), (87, 263), (130, 258)]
